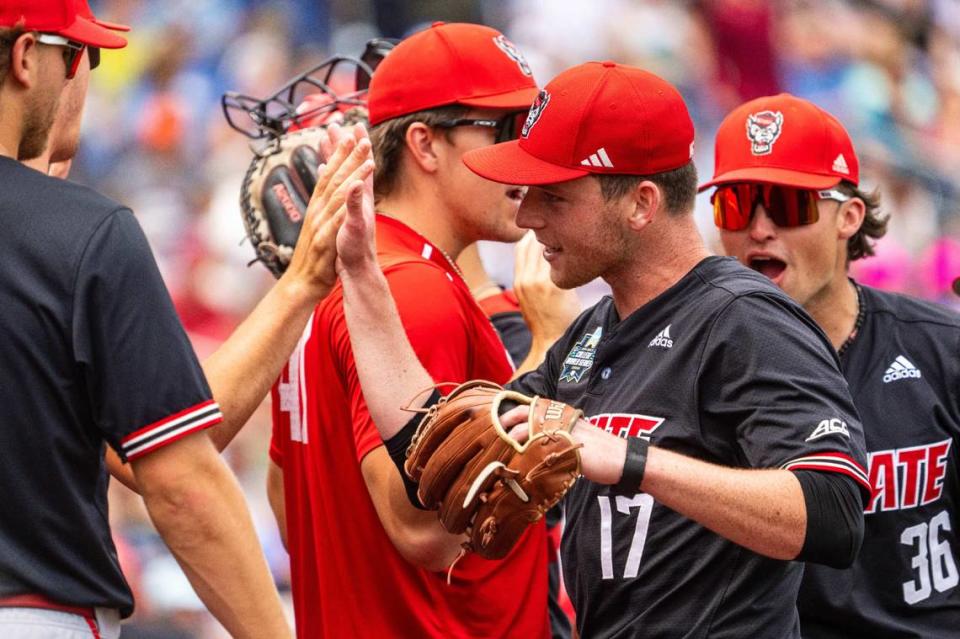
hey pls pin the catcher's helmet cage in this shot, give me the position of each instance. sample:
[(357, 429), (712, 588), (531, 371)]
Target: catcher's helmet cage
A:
[(286, 128), (307, 97)]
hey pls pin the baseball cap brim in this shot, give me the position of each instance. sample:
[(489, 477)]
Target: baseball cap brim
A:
[(518, 99), (507, 163), (769, 175), (84, 11), (113, 26), (92, 34)]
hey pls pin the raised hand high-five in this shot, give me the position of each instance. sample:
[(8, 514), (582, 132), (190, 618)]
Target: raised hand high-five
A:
[(241, 371), (349, 164), (356, 237)]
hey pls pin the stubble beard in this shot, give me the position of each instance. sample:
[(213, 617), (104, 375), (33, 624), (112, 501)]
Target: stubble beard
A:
[(65, 135), (39, 117), (494, 229), (580, 269), (607, 252)]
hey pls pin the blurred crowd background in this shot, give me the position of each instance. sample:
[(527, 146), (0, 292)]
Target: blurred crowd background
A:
[(154, 137)]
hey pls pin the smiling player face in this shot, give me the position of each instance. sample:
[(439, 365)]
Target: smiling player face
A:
[(583, 235)]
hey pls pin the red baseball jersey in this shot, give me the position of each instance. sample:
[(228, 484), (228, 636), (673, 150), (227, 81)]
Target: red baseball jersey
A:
[(348, 578)]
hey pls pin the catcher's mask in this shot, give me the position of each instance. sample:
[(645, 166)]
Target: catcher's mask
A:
[(310, 97)]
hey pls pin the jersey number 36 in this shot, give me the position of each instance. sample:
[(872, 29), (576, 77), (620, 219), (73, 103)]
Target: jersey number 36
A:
[(933, 562)]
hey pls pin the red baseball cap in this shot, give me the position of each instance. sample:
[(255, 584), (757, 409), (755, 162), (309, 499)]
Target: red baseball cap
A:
[(786, 140), (456, 63), (60, 17), (599, 117), (84, 11)]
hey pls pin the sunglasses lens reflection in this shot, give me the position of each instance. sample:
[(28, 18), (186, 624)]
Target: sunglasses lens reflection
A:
[(787, 207)]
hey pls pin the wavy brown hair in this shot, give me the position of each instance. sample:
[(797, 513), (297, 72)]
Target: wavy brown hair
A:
[(874, 225)]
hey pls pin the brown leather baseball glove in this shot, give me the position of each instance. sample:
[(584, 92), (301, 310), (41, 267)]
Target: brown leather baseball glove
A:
[(483, 481)]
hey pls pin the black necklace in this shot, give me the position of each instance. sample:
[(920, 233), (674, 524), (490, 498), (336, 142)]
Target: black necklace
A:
[(856, 326)]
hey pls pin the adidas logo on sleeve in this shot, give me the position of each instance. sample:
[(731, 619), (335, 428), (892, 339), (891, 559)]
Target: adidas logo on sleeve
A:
[(662, 339), (900, 368)]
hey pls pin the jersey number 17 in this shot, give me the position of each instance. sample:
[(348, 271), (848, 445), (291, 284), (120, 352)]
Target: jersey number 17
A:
[(642, 503)]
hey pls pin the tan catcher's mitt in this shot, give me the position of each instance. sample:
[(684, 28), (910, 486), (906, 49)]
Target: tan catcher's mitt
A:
[(484, 482), (277, 188)]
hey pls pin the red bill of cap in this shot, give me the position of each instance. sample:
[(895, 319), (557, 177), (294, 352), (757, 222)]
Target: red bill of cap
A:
[(596, 118), (786, 140), (509, 163), (456, 63), (58, 17)]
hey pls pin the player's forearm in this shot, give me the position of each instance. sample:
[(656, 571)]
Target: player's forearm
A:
[(242, 370), (416, 534), (419, 536), (388, 368), (203, 519), (763, 510)]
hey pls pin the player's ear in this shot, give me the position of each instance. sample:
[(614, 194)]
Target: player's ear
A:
[(643, 202), (25, 60), (420, 142), (850, 218)]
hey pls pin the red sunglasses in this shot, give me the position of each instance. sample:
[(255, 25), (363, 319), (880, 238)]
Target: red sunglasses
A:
[(787, 206)]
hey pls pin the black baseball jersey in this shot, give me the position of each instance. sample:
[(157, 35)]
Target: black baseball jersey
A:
[(904, 374), (723, 367), (513, 333), (91, 352)]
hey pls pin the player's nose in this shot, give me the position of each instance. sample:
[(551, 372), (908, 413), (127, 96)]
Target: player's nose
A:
[(527, 216), (761, 226)]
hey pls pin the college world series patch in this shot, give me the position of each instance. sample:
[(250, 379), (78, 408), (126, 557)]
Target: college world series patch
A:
[(581, 356)]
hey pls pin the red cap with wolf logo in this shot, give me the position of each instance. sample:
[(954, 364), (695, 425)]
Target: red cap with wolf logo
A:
[(456, 63), (595, 118), (785, 140)]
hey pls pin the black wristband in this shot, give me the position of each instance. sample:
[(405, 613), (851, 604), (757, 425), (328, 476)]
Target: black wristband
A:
[(633, 467), (397, 449)]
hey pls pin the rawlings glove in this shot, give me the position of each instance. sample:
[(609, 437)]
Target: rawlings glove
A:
[(483, 482), (277, 188)]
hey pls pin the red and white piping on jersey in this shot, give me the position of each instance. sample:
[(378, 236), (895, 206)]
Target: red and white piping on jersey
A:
[(171, 428), (299, 368), (831, 462), (94, 628)]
